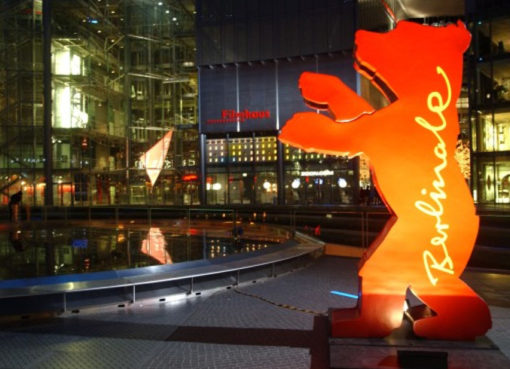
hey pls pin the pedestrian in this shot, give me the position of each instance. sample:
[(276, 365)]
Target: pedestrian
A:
[(14, 205)]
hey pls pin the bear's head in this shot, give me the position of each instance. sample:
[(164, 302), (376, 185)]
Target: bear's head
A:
[(402, 62)]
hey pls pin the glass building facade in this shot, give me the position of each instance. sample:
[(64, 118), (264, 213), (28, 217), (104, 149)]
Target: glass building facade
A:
[(489, 75), (87, 87), (120, 75)]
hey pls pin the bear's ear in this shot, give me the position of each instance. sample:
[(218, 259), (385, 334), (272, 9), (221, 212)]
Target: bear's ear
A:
[(461, 35)]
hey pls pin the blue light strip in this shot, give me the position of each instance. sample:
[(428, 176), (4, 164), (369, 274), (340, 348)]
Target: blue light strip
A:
[(344, 294)]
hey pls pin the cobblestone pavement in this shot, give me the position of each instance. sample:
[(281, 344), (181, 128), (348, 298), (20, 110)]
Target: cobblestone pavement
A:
[(218, 329)]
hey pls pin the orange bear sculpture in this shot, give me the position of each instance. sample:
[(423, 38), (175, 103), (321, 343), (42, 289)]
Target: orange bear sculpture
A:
[(428, 241)]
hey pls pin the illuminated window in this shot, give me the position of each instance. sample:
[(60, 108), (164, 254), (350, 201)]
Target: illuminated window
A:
[(69, 108), (67, 64)]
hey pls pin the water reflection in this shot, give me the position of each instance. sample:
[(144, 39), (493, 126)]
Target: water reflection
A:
[(36, 252), (15, 239), (155, 245)]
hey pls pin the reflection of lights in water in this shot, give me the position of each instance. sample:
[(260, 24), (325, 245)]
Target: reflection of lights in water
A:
[(155, 246), (342, 183), (296, 183), (121, 237)]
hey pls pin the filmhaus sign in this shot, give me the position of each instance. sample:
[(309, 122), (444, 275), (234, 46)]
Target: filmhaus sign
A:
[(233, 116)]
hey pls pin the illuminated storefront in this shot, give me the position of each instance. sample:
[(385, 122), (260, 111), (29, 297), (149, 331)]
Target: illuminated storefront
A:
[(490, 102), (246, 173)]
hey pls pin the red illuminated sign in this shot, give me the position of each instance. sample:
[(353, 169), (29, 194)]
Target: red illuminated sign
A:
[(154, 245), (428, 241), (189, 177), (233, 116)]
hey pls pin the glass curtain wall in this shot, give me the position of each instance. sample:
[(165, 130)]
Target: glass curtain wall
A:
[(123, 75), (21, 100), (490, 113)]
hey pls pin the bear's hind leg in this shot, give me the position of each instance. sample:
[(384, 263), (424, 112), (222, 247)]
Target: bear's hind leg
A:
[(460, 313), (376, 315)]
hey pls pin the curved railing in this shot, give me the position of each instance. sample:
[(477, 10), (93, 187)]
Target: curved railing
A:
[(71, 292)]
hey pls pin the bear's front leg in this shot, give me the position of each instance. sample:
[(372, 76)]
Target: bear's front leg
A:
[(318, 133), (322, 91)]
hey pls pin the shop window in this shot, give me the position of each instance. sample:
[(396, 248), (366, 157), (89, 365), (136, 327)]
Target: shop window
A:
[(495, 136), (317, 184), (502, 184), (364, 171), (137, 191), (502, 131), (494, 181), (216, 188), (266, 186), (62, 190), (61, 153), (486, 182), (241, 186), (487, 133)]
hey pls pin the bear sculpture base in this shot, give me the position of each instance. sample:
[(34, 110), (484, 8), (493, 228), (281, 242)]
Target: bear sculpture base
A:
[(402, 349)]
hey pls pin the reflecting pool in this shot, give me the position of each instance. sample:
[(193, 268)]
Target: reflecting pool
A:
[(37, 251)]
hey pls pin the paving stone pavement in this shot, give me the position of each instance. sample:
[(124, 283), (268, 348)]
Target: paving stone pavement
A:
[(218, 329)]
